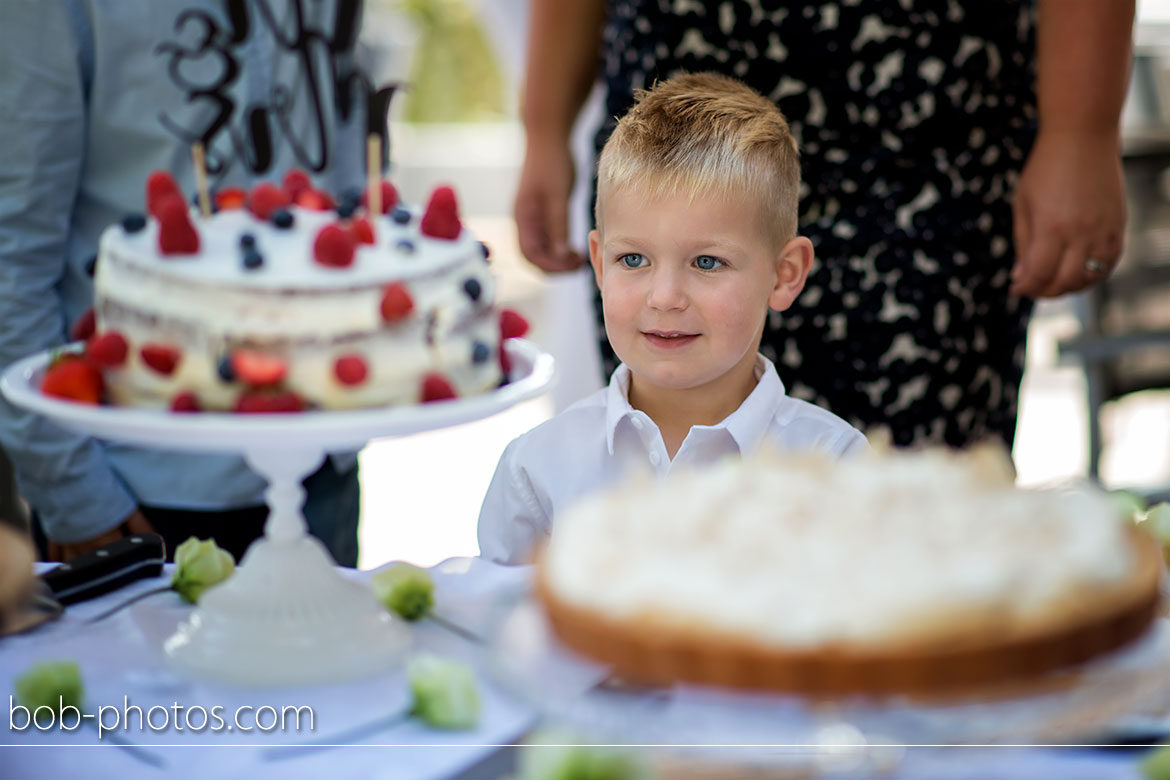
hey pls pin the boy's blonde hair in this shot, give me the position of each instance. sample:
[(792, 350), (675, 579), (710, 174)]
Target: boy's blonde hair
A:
[(706, 134)]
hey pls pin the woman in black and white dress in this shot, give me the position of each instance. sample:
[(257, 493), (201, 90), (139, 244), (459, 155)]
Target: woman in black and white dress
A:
[(940, 194)]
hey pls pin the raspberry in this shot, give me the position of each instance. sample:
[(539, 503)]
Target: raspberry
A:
[(389, 197), (294, 183), (186, 401), (159, 186), (176, 234), (265, 199), (161, 358), (85, 326), (436, 387), (75, 379), (512, 325), (230, 198), (441, 219), (109, 350), (264, 403), (256, 368), (315, 200), (396, 302), (350, 370), (333, 247), (361, 231)]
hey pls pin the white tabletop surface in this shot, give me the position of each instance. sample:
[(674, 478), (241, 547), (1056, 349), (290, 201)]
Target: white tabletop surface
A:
[(120, 657)]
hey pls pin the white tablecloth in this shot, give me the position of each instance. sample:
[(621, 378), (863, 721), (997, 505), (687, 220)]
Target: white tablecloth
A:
[(121, 657)]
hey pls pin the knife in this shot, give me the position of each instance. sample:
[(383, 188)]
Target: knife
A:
[(108, 568)]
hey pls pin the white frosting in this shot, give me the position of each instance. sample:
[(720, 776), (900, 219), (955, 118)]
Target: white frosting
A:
[(292, 306), (799, 553)]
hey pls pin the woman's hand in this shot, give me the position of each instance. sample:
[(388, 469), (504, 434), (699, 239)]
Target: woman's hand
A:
[(542, 206), (1069, 214)]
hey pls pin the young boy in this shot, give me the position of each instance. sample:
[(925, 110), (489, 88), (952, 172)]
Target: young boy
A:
[(695, 242)]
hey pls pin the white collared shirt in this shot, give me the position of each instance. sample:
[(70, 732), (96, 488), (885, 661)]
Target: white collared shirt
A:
[(602, 440)]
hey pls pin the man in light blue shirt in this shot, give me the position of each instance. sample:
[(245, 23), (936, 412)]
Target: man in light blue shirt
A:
[(96, 94)]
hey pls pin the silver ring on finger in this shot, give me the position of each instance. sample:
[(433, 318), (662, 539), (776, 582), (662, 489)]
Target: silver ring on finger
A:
[(1095, 266)]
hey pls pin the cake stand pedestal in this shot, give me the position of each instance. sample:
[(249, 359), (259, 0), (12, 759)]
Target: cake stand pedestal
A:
[(287, 616)]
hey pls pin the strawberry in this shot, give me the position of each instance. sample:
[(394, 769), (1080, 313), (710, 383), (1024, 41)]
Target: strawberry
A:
[(176, 234), (361, 231), (436, 387), (396, 302), (73, 378), (160, 185), (333, 247), (186, 401), (350, 370), (389, 197), (262, 403), (85, 326), (162, 358), (265, 198), (315, 200), (441, 219), (257, 368), (109, 350), (230, 198), (294, 183), (512, 325)]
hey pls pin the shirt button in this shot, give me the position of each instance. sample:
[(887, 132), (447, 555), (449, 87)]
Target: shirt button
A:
[(654, 458), (638, 423)]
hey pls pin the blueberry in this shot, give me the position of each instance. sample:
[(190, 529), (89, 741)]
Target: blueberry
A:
[(406, 246), (247, 240), (473, 289), (252, 259), (400, 216), (210, 203), (348, 202), (224, 368), (480, 352), (282, 218), (91, 266), (133, 222), (487, 251)]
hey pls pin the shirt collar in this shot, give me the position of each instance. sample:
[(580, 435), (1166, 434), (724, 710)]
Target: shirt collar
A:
[(746, 425)]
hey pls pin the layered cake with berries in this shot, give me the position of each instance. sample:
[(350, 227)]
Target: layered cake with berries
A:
[(916, 573), (286, 298)]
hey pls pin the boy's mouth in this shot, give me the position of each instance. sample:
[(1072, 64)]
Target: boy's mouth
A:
[(669, 339)]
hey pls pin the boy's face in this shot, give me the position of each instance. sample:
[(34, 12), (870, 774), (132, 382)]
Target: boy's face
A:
[(686, 286)]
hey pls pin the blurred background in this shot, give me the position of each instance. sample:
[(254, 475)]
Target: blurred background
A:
[(1095, 400)]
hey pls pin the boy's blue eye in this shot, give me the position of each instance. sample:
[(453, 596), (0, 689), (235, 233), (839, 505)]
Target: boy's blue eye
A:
[(707, 263), (632, 261)]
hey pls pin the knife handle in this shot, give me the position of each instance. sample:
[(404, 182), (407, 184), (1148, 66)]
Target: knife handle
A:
[(107, 568)]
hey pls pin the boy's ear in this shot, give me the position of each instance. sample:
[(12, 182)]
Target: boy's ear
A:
[(595, 255), (792, 269)]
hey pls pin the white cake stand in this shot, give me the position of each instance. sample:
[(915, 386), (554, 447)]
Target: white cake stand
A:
[(287, 615)]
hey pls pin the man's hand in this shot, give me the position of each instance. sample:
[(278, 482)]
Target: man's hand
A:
[(1069, 215), (542, 207), (135, 523)]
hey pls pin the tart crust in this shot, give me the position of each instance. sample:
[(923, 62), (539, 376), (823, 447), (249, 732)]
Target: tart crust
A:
[(1087, 625)]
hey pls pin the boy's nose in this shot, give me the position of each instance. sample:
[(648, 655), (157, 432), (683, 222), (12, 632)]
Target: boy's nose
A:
[(667, 291)]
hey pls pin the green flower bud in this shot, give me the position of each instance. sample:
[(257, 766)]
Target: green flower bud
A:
[(1156, 765), (405, 590), (556, 757), (444, 692), (1129, 505), (54, 684), (1157, 522), (200, 564)]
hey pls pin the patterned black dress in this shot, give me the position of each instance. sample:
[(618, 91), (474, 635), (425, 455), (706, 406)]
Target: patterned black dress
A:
[(914, 118)]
